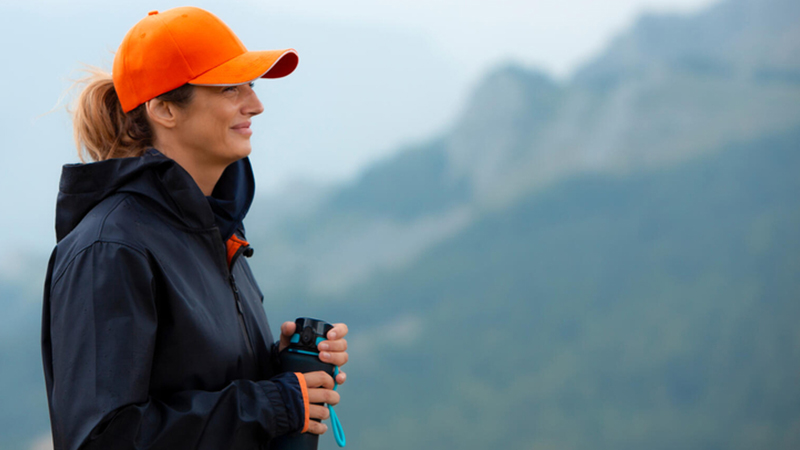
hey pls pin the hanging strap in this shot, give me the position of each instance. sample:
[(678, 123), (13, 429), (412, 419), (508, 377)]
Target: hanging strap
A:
[(338, 431)]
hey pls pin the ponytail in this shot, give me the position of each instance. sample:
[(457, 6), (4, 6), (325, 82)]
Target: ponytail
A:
[(102, 130)]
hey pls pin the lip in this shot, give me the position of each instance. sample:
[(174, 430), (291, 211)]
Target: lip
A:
[(243, 128)]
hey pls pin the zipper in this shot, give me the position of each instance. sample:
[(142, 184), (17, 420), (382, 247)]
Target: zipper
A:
[(232, 280), (240, 311)]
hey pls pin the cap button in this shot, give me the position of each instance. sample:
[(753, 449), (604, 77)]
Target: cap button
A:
[(152, 13)]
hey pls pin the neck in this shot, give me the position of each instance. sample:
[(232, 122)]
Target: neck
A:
[(205, 173)]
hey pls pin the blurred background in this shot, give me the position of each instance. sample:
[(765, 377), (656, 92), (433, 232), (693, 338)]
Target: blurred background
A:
[(549, 224)]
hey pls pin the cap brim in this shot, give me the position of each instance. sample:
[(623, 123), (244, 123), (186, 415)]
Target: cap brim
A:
[(250, 66)]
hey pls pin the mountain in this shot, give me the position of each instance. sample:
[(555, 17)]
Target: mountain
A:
[(672, 88), (654, 310), (748, 39), (609, 262)]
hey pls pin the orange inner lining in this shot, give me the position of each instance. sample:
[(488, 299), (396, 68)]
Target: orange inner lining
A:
[(233, 244)]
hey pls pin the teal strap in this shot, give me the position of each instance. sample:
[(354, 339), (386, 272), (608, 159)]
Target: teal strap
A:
[(338, 431)]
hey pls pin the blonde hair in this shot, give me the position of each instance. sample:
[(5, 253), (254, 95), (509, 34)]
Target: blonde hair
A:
[(102, 130)]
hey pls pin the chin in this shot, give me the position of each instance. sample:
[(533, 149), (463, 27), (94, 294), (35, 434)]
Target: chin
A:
[(245, 152), (240, 152)]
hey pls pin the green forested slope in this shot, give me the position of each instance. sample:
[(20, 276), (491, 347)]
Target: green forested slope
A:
[(653, 311), (421, 171)]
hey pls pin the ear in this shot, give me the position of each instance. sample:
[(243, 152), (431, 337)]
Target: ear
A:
[(162, 113)]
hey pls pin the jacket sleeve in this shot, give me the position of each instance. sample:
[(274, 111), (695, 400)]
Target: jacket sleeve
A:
[(102, 335)]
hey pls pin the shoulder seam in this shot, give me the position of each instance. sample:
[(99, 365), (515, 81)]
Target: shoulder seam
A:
[(108, 213), (58, 277)]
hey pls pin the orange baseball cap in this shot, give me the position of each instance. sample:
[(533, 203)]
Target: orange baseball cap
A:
[(188, 45)]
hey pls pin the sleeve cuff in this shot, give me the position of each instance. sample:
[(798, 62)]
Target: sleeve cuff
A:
[(289, 402), (304, 387)]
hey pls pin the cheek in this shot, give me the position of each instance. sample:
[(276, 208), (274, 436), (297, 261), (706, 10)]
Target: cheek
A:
[(207, 131)]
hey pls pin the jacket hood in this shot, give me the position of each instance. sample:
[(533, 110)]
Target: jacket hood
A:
[(164, 183)]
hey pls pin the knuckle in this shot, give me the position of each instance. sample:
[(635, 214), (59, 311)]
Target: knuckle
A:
[(311, 380), (333, 398), (320, 378)]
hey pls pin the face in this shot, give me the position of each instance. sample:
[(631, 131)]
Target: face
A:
[(215, 125)]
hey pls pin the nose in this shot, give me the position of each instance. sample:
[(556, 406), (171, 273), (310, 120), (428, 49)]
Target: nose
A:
[(252, 106)]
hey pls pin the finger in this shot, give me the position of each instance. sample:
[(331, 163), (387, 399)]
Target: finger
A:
[(328, 396), (339, 330), (335, 358), (317, 427), (318, 379), (341, 377), (338, 345), (288, 328), (318, 412)]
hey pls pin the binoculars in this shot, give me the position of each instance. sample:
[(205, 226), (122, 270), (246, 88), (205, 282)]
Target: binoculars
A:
[(302, 356)]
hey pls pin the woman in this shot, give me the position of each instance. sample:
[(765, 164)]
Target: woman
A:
[(153, 332)]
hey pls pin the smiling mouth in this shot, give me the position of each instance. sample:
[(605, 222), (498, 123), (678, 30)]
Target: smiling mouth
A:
[(243, 128)]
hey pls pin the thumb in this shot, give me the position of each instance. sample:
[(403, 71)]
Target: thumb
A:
[(287, 330)]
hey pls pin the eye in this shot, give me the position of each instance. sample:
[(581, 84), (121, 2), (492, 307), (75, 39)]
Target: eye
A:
[(236, 87)]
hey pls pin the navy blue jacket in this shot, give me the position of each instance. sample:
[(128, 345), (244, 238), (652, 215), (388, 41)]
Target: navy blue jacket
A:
[(153, 336)]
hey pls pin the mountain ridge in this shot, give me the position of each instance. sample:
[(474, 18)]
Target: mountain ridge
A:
[(521, 131)]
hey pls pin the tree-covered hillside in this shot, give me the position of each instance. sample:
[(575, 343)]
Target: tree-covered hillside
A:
[(657, 310)]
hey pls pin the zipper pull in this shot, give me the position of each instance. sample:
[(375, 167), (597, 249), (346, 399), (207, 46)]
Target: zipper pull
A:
[(232, 280), (236, 293)]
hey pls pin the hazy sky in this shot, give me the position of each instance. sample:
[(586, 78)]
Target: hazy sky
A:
[(554, 34), (373, 76)]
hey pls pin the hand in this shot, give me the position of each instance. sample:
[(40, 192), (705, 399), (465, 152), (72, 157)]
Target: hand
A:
[(332, 351), (320, 390)]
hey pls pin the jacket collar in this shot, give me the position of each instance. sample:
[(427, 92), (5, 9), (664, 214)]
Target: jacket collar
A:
[(163, 183)]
